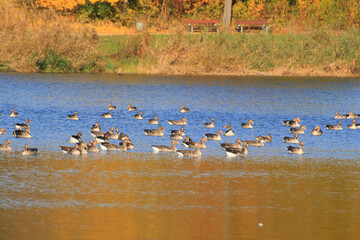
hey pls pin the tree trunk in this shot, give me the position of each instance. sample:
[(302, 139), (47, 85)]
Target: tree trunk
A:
[(227, 13)]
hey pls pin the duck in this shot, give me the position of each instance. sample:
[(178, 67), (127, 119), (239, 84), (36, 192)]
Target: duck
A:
[(292, 123), (73, 117), (106, 115), (187, 141), (334, 127), (177, 122), (129, 144), (29, 151), (180, 132), (341, 116), (96, 128), (216, 137), (138, 116), (92, 146), (176, 136), (296, 150), (5, 146), (292, 139), (210, 124), (111, 107), (237, 144), (317, 131), (248, 124), (114, 147), (123, 136), (163, 148), (2, 131), (300, 130), (233, 152), (13, 113), (352, 115), (190, 153), (252, 143), (184, 109), (154, 121), (152, 132), (131, 108), (267, 138), (76, 138), (21, 134), (201, 144), (23, 125), (229, 132)]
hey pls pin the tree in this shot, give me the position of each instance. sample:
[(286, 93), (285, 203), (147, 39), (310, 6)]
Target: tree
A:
[(227, 13)]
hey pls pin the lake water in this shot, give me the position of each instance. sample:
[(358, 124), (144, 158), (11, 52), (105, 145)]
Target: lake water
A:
[(268, 194)]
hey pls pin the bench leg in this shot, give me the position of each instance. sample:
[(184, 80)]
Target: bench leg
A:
[(192, 30), (241, 29)]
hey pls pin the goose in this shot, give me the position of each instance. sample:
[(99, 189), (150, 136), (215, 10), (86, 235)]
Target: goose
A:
[(184, 109), (216, 137), (229, 132), (233, 152), (316, 131), (237, 144), (23, 125), (154, 121), (96, 128), (341, 116), (190, 153), (201, 144), (106, 115), (266, 139), (353, 125), (104, 138), (75, 150), (13, 113), (177, 122), (292, 123), (138, 116), (123, 136), (180, 132), (92, 146), (111, 107), (82, 147), (76, 138), (210, 124), (258, 143), (129, 144), (352, 115), (291, 139), (152, 132), (334, 127), (2, 131), (176, 136), (162, 148), (114, 135), (131, 108), (73, 117), (29, 151), (248, 124), (5, 146), (101, 134), (187, 141), (114, 147), (297, 130), (296, 150), (21, 134)]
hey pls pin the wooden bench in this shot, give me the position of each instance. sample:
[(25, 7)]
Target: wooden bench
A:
[(193, 25), (250, 24)]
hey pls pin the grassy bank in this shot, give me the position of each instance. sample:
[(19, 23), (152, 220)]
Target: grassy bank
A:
[(318, 53)]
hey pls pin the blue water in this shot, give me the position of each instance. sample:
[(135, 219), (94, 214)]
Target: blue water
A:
[(47, 99)]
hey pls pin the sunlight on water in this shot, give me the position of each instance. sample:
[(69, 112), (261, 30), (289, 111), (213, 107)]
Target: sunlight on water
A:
[(268, 194)]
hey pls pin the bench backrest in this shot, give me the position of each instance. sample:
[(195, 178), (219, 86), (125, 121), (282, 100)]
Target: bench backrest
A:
[(251, 22), (201, 21)]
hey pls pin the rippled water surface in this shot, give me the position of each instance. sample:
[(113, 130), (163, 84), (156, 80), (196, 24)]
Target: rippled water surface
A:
[(268, 194)]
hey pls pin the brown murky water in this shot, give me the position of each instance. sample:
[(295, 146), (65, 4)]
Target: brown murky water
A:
[(161, 196)]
